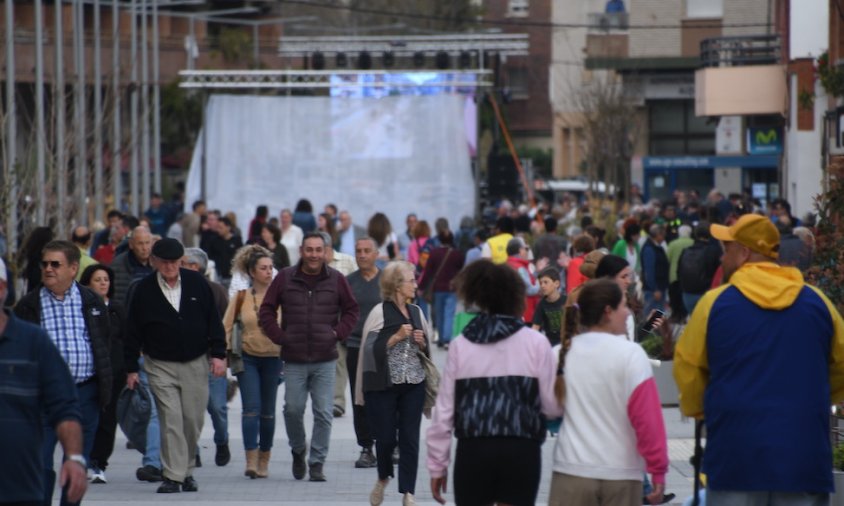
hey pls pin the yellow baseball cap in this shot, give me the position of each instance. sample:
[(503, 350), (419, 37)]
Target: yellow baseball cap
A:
[(751, 230)]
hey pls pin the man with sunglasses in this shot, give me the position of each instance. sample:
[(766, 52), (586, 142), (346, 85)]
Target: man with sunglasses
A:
[(76, 319)]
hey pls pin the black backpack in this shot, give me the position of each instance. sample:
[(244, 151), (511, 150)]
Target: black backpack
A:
[(692, 269)]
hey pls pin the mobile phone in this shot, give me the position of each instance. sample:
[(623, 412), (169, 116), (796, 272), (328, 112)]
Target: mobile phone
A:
[(649, 325)]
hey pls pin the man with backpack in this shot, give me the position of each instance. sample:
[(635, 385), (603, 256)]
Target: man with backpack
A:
[(697, 266)]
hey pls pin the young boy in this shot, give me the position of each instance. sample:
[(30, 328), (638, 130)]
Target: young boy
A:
[(548, 317)]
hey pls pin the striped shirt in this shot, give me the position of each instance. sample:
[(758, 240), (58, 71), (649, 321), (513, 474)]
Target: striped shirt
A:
[(64, 322), (172, 294)]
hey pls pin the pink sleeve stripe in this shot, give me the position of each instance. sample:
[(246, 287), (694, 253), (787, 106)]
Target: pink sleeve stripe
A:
[(645, 413)]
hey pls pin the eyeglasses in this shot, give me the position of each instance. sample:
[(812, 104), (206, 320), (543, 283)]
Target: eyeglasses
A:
[(410, 281), (55, 264)]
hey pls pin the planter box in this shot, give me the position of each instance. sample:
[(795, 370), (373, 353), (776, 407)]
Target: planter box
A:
[(837, 499), (664, 377)]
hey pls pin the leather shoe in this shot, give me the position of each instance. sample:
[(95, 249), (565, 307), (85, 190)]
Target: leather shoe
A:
[(223, 455), (189, 485), (299, 465), (316, 473), (148, 473), (169, 487)]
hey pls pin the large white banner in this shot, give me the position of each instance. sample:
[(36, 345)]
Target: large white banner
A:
[(395, 155)]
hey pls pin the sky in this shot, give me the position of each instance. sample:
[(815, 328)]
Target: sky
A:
[(809, 28)]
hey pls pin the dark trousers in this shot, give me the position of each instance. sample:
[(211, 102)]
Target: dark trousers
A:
[(397, 408), (497, 469), (361, 422), (675, 298), (106, 429), (89, 407)]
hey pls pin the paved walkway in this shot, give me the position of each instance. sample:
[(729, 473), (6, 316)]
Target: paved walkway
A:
[(226, 486)]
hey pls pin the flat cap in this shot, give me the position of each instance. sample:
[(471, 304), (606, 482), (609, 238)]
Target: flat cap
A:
[(168, 249)]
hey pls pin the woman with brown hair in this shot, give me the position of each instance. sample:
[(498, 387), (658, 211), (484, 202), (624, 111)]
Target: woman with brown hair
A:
[(258, 380), (379, 228), (325, 223), (613, 421)]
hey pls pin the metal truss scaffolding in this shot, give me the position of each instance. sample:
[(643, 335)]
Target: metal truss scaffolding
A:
[(316, 79)]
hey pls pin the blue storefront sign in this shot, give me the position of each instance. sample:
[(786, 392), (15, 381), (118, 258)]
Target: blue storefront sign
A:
[(764, 140), (709, 162)]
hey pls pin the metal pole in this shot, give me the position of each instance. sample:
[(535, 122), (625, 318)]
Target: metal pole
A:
[(40, 141), (255, 48), (204, 159), (81, 148), (133, 113), (145, 183), (192, 43), (11, 130), (116, 151), (60, 111), (98, 120), (156, 100)]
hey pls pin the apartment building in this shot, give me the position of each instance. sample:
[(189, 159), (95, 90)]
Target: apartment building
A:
[(653, 47)]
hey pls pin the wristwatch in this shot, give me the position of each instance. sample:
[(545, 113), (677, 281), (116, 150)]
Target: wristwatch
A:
[(79, 459)]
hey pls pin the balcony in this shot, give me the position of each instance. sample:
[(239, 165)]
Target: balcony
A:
[(741, 76), (740, 51)]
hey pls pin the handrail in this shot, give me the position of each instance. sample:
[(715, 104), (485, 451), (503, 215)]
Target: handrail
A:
[(740, 51)]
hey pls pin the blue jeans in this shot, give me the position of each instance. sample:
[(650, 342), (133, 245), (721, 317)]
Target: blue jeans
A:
[(741, 498), (317, 380), (423, 305), (445, 303), (89, 408), (651, 304), (152, 455), (399, 408), (217, 408), (258, 391)]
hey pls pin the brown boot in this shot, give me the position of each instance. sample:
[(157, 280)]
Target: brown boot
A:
[(251, 463), (264, 464)]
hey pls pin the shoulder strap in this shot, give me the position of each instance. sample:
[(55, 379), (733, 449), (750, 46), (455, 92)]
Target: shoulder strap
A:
[(238, 304), (440, 267)]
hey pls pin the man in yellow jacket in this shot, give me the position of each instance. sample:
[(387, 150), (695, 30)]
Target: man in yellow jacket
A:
[(761, 361), (495, 248)]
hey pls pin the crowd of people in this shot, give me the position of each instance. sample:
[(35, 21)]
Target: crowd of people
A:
[(541, 310)]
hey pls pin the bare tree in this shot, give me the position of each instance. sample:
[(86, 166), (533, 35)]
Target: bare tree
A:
[(609, 128)]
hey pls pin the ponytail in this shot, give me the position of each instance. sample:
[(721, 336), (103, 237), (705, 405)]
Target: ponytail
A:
[(568, 331)]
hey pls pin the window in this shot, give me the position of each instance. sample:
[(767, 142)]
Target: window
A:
[(517, 8), (675, 130), (704, 9), (517, 82)]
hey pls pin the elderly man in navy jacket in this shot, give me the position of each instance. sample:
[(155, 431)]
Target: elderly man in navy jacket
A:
[(173, 320), (317, 311)]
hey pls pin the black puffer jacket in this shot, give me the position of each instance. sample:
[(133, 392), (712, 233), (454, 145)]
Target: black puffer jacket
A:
[(96, 320)]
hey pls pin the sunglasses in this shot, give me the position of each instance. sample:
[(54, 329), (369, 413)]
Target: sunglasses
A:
[(55, 264)]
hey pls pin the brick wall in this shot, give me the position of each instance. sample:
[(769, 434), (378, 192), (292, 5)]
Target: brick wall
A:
[(655, 42), (743, 12), (531, 115)]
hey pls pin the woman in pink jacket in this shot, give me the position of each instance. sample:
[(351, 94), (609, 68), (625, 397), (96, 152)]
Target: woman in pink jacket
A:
[(495, 392)]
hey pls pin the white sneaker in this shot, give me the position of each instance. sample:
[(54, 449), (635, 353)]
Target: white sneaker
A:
[(408, 500), (97, 475), (377, 495)]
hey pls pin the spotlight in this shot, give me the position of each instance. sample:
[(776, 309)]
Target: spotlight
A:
[(364, 60), (443, 61), (389, 59), (341, 60), (465, 59), (317, 61), (418, 59)]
